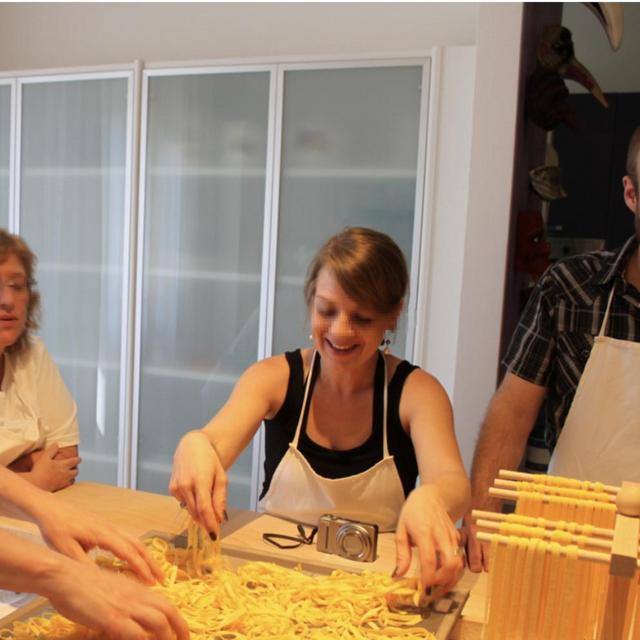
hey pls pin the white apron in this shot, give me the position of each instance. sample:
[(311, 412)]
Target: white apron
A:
[(298, 493), (600, 440)]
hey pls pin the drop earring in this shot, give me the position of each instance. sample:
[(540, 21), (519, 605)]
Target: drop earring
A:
[(385, 344)]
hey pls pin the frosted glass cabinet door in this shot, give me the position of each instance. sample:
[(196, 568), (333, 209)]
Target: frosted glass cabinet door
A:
[(206, 150), (73, 158), (349, 158), (5, 136)]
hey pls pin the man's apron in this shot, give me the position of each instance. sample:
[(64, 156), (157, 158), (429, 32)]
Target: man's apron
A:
[(600, 440)]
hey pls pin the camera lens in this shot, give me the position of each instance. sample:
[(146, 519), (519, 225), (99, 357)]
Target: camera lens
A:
[(353, 541)]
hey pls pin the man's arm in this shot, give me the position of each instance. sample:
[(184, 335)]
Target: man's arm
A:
[(501, 444)]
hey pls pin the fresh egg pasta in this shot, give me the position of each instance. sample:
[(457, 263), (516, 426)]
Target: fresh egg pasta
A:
[(259, 600)]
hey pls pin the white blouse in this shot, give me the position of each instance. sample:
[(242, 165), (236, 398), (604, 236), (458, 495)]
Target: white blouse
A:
[(36, 408)]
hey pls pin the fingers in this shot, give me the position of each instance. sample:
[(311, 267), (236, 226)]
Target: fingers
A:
[(197, 497), (73, 549), (485, 548), (176, 621), (120, 628), (148, 560), (154, 620), (157, 619), (52, 451), (185, 495), (135, 554), (204, 510), (403, 551), (63, 476), (474, 550), (69, 463), (428, 565), (219, 496), (450, 569)]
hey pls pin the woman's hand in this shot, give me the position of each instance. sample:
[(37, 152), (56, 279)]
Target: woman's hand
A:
[(73, 533), (425, 524), (199, 481), (52, 472), (116, 606)]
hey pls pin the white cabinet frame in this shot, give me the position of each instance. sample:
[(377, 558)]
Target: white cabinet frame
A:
[(124, 436)]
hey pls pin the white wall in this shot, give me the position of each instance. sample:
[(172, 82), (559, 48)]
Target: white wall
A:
[(488, 214), (49, 35), (446, 208)]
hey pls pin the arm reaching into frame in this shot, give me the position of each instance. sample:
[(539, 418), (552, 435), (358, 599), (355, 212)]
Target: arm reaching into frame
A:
[(70, 530), (503, 437), (112, 604)]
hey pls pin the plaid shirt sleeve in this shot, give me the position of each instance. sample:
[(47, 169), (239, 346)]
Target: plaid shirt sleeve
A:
[(531, 351)]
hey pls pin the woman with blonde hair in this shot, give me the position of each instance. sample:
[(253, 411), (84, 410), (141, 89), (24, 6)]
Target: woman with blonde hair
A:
[(348, 427), (38, 426)]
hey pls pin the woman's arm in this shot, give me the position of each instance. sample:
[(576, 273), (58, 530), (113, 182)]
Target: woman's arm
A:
[(428, 516), (199, 478), (41, 386), (69, 530), (112, 604)]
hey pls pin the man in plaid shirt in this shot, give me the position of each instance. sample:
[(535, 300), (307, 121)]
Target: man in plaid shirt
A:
[(577, 299)]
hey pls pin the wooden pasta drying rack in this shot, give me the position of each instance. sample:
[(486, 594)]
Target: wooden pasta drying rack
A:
[(586, 536)]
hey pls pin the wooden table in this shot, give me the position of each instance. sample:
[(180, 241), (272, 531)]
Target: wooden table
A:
[(139, 512)]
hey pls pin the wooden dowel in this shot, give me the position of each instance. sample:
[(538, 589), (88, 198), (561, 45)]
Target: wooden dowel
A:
[(508, 494), (551, 490), (494, 525), (549, 524), (531, 477), (596, 556)]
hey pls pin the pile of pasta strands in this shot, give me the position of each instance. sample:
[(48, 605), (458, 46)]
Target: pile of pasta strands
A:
[(260, 600)]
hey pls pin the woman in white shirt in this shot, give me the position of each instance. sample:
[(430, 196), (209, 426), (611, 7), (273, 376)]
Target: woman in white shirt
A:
[(38, 425)]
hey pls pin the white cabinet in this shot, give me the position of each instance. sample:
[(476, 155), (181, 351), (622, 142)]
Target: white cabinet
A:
[(350, 157), (73, 164), (244, 172), (205, 147)]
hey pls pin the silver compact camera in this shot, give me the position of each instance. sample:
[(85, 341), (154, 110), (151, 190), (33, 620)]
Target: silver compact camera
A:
[(347, 538)]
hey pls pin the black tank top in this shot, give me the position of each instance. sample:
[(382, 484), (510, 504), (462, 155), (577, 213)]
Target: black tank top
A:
[(328, 463)]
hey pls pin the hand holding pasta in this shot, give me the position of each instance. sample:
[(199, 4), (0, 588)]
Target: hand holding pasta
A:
[(114, 605), (199, 481), (425, 524), (73, 533)]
